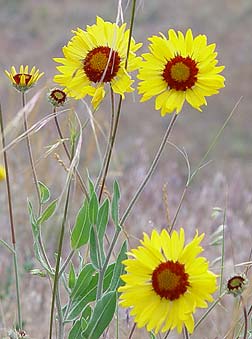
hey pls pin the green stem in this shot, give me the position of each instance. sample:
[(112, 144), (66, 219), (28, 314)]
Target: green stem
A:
[(186, 334), (150, 171), (209, 310), (178, 208), (245, 318), (132, 331), (66, 262), (213, 143), (222, 251), (104, 267), (28, 142), (60, 316), (56, 276), (106, 167), (30, 154), (12, 226), (109, 139)]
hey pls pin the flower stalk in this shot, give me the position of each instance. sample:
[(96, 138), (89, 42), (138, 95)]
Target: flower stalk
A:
[(12, 225)]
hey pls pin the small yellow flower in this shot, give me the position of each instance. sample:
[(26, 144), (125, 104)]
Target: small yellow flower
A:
[(24, 80), (178, 69), (166, 281), (95, 57), (2, 173)]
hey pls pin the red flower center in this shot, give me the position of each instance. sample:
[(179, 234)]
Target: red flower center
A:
[(101, 64), (169, 280), (180, 73), (17, 78)]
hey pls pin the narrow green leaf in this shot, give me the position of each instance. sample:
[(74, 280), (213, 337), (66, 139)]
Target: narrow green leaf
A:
[(91, 186), (48, 212), (95, 250), (82, 282), (71, 277), (119, 268), (75, 332), (102, 315), (44, 192), (87, 294), (93, 209), (102, 220), (115, 203), (81, 229)]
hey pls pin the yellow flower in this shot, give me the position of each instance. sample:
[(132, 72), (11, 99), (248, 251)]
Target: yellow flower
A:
[(166, 281), (178, 69), (95, 57), (2, 173), (24, 80)]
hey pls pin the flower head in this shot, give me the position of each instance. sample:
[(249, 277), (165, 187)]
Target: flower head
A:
[(237, 284), (24, 80), (178, 69), (2, 173), (57, 97), (95, 57), (166, 281)]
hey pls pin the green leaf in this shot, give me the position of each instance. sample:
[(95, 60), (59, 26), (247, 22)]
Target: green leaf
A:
[(75, 332), (35, 233), (87, 293), (44, 192), (48, 212), (102, 315), (82, 282), (102, 220), (91, 186), (119, 268), (96, 251), (93, 209), (81, 230), (115, 203), (71, 277), (152, 335)]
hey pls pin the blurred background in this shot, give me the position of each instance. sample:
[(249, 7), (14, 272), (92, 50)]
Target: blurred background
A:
[(33, 32)]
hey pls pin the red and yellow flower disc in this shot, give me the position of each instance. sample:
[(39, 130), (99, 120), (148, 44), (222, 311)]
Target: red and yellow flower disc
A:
[(95, 57), (166, 281), (178, 69)]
